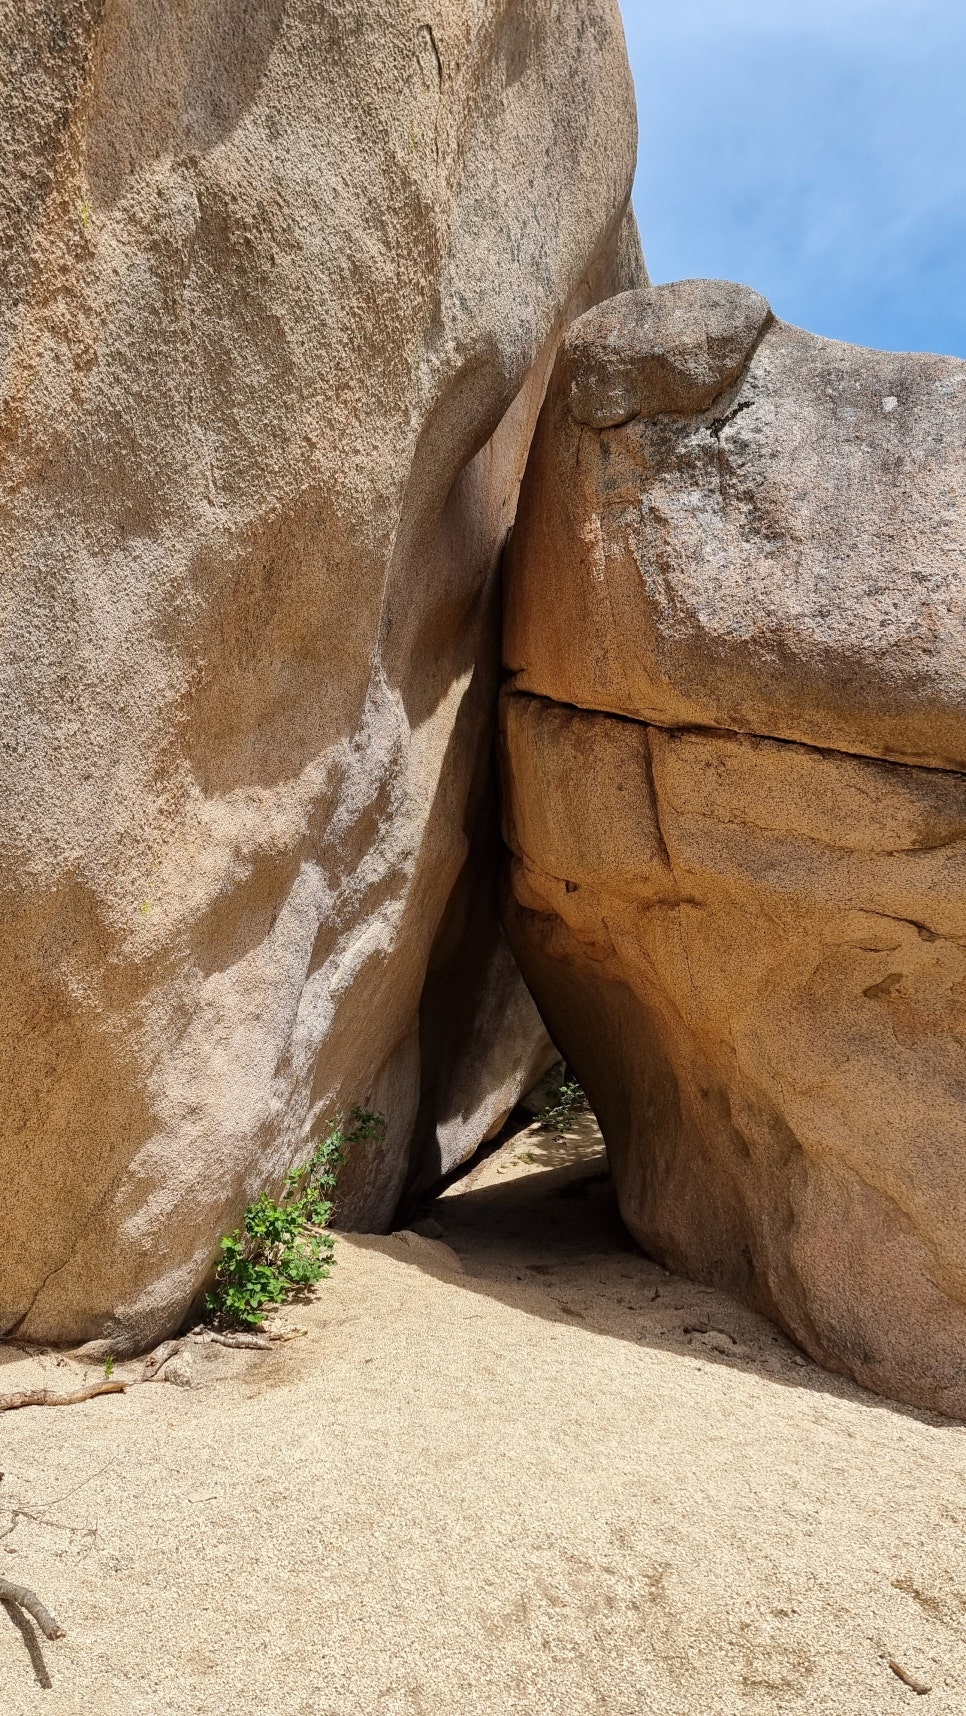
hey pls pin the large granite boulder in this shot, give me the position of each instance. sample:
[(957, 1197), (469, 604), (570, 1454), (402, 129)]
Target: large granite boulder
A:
[(281, 284), (734, 735)]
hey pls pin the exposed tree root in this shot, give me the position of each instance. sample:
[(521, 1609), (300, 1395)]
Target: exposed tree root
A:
[(260, 1340), (47, 1396), (260, 1343), (27, 1599), (159, 1357)]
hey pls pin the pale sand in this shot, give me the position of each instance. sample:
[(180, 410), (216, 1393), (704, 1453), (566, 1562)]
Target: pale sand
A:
[(522, 1488)]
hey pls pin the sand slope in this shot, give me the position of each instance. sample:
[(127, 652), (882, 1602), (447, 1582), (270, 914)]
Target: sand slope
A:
[(519, 1471)]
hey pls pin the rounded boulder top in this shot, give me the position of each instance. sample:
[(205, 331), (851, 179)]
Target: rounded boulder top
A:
[(662, 349)]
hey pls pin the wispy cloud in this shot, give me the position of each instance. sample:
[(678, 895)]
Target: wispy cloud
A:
[(817, 151)]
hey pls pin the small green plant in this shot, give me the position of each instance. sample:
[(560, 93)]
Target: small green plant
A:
[(559, 1116), (109, 1367), (283, 1248)]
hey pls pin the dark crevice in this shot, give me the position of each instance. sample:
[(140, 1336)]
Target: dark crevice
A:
[(923, 931), (729, 416), (707, 730), (429, 37), (656, 804)]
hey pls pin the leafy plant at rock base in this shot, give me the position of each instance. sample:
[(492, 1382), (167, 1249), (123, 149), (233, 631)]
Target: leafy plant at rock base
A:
[(283, 1248), (560, 1115)]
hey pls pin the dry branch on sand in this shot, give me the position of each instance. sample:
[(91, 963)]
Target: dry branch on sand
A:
[(48, 1397), (27, 1599)]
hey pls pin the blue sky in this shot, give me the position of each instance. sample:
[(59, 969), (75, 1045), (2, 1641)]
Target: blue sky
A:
[(815, 149)]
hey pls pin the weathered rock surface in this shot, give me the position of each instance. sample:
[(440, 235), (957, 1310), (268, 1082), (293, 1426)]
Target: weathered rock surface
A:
[(792, 561), (740, 906), (281, 284)]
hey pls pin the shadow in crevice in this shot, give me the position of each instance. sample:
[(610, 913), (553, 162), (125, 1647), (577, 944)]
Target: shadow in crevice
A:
[(536, 1226), (31, 1641)]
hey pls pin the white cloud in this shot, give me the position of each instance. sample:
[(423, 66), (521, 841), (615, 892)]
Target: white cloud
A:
[(816, 150)]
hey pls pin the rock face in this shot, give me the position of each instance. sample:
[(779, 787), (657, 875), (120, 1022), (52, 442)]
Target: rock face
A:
[(735, 750), (281, 287)]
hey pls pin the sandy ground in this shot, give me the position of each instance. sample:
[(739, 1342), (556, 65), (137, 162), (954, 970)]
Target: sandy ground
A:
[(519, 1469)]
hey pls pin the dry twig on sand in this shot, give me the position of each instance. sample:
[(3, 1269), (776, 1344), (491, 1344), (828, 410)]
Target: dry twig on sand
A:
[(27, 1599), (48, 1397), (919, 1687)]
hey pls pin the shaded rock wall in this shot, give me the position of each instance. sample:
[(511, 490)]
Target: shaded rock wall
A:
[(281, 287), (736, 801)]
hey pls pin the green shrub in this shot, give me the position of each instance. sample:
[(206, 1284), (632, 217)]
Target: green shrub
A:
[(560, 1115), (283, 1248)]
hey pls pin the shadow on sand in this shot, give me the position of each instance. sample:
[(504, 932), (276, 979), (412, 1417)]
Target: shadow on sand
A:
[(536, 1226)]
